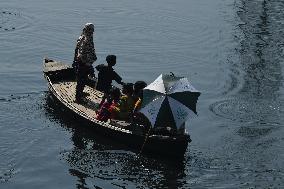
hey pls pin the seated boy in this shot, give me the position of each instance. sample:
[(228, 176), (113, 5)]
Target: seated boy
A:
[(126, 103), (138, 117), (106, 110)]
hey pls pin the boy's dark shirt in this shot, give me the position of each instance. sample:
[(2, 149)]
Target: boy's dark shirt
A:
[(105, 77)]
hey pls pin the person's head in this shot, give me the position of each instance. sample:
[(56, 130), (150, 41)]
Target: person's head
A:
[(115, 93), (88, 29), (138, 87), (127, 89), (111, 60)]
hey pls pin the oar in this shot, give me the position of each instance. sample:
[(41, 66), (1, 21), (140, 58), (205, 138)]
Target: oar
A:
[(146, 137)]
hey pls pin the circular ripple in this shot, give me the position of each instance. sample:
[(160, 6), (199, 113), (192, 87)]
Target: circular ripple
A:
[(247, 110), (11, 20), (256, 117)]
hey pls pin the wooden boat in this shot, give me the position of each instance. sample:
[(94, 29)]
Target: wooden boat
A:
[(61, 81)]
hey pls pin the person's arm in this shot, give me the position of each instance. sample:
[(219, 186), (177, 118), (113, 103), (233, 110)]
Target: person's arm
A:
[(137, 105), (75, 59), (95, 56), (80, 46), (117, 78)]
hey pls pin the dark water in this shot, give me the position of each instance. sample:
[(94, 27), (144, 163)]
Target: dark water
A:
[(232, 51)]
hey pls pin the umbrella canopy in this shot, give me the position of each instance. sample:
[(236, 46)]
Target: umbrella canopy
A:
[(169, 101)]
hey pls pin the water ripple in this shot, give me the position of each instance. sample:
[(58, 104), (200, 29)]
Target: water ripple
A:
[(248, 110), (158, 25), (6, 175), (18, 96), (12, 19)]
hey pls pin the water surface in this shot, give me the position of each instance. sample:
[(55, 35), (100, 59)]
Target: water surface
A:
[(232, 51)]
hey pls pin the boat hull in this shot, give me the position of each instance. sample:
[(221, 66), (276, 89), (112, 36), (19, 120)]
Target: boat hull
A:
[(158, 145)]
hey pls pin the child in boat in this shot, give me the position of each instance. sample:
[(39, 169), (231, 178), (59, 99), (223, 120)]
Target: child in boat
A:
[(138, 117), (106, 111), (126, 104), (138, 94), (106, 75)]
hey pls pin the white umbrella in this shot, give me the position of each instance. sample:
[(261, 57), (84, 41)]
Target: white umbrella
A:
[(169, 101)]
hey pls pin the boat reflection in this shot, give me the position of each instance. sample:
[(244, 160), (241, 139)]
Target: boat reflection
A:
[(98, 161)]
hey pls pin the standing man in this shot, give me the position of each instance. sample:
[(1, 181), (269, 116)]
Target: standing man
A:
[(84, 57)]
